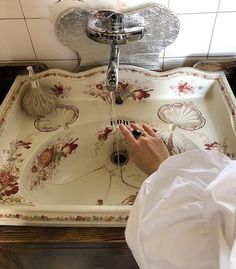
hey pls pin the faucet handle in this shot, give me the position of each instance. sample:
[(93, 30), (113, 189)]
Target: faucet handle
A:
[(103, 14), (113, 21), (107, 26), (116, 23)]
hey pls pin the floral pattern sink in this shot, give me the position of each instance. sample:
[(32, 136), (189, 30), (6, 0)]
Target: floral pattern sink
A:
[(59, 169)]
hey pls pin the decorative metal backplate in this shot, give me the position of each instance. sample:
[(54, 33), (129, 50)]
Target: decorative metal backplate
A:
[(162, 28)]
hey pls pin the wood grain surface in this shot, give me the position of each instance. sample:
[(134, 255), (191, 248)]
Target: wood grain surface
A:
[(64, 248), (16, 234)]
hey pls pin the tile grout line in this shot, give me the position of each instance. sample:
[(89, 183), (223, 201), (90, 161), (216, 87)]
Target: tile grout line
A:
[(50, 60), (163, 57), (35, 55), (168, 58), (213, 29), (10, 19), (181, 13), (31, 40), (199, 56), (164, 53), (206, 12)]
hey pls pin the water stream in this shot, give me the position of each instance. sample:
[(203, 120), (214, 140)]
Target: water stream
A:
[(115, 127)]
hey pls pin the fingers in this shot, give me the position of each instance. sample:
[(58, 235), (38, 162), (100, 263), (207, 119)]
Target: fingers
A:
[(127, 134), (135, 126), (148, 129)]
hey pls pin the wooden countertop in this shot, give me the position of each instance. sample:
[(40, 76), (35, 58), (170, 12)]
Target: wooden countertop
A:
[(28, 234), (64, 248)]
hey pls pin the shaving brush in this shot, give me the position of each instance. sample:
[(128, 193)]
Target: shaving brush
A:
[(37, 100)]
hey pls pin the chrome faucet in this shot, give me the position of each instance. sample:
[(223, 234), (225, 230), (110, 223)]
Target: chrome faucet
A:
[(108, 27), (113, 68)]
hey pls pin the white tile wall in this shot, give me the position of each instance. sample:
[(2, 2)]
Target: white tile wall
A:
[(36, 8), (10, 9), (45, 42), (202, 27), (194, 36), (132, 3), (69, 65), (171, 63), (15, 43), (224, 40), (164, 2), (197, 6), (227, 5)]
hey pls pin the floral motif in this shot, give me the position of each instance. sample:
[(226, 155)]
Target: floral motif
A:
[(66, 219), (9, 184), (213, 145), (103, 134), (45, 157), (106, 133), (219, 146), (125, 89), (141, 94), (46, 162), (60, 90), (183, 88), (10, 171), (130, 200)]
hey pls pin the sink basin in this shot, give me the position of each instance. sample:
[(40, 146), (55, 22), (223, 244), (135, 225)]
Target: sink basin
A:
[(62, 169)]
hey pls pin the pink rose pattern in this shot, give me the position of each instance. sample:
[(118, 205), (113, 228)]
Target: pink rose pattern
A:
[(184, 88), (45, 163)]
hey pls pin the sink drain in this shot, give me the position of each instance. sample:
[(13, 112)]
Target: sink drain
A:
[(119, 158)]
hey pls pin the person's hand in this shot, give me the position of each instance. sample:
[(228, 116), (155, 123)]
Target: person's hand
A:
[(148, 151)]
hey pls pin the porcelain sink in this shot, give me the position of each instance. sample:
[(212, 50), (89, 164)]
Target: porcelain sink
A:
[(61, 169)]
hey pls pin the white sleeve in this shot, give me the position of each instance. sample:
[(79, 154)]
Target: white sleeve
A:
[(184, 215)]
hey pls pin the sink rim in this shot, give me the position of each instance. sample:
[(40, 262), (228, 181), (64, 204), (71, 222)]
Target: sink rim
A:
[(122, 210), (229, 98)]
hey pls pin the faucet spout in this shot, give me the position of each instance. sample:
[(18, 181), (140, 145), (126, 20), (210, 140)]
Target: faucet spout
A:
[(108, 27), (113, 68)]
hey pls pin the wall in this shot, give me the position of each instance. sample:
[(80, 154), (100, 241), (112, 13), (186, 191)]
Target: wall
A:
[(205, 32)]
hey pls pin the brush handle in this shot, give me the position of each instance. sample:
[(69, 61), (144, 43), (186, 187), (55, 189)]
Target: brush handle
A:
[(33, 81)]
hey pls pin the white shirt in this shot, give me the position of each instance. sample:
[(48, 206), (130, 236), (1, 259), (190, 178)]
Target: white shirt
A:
[(184, 215)]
